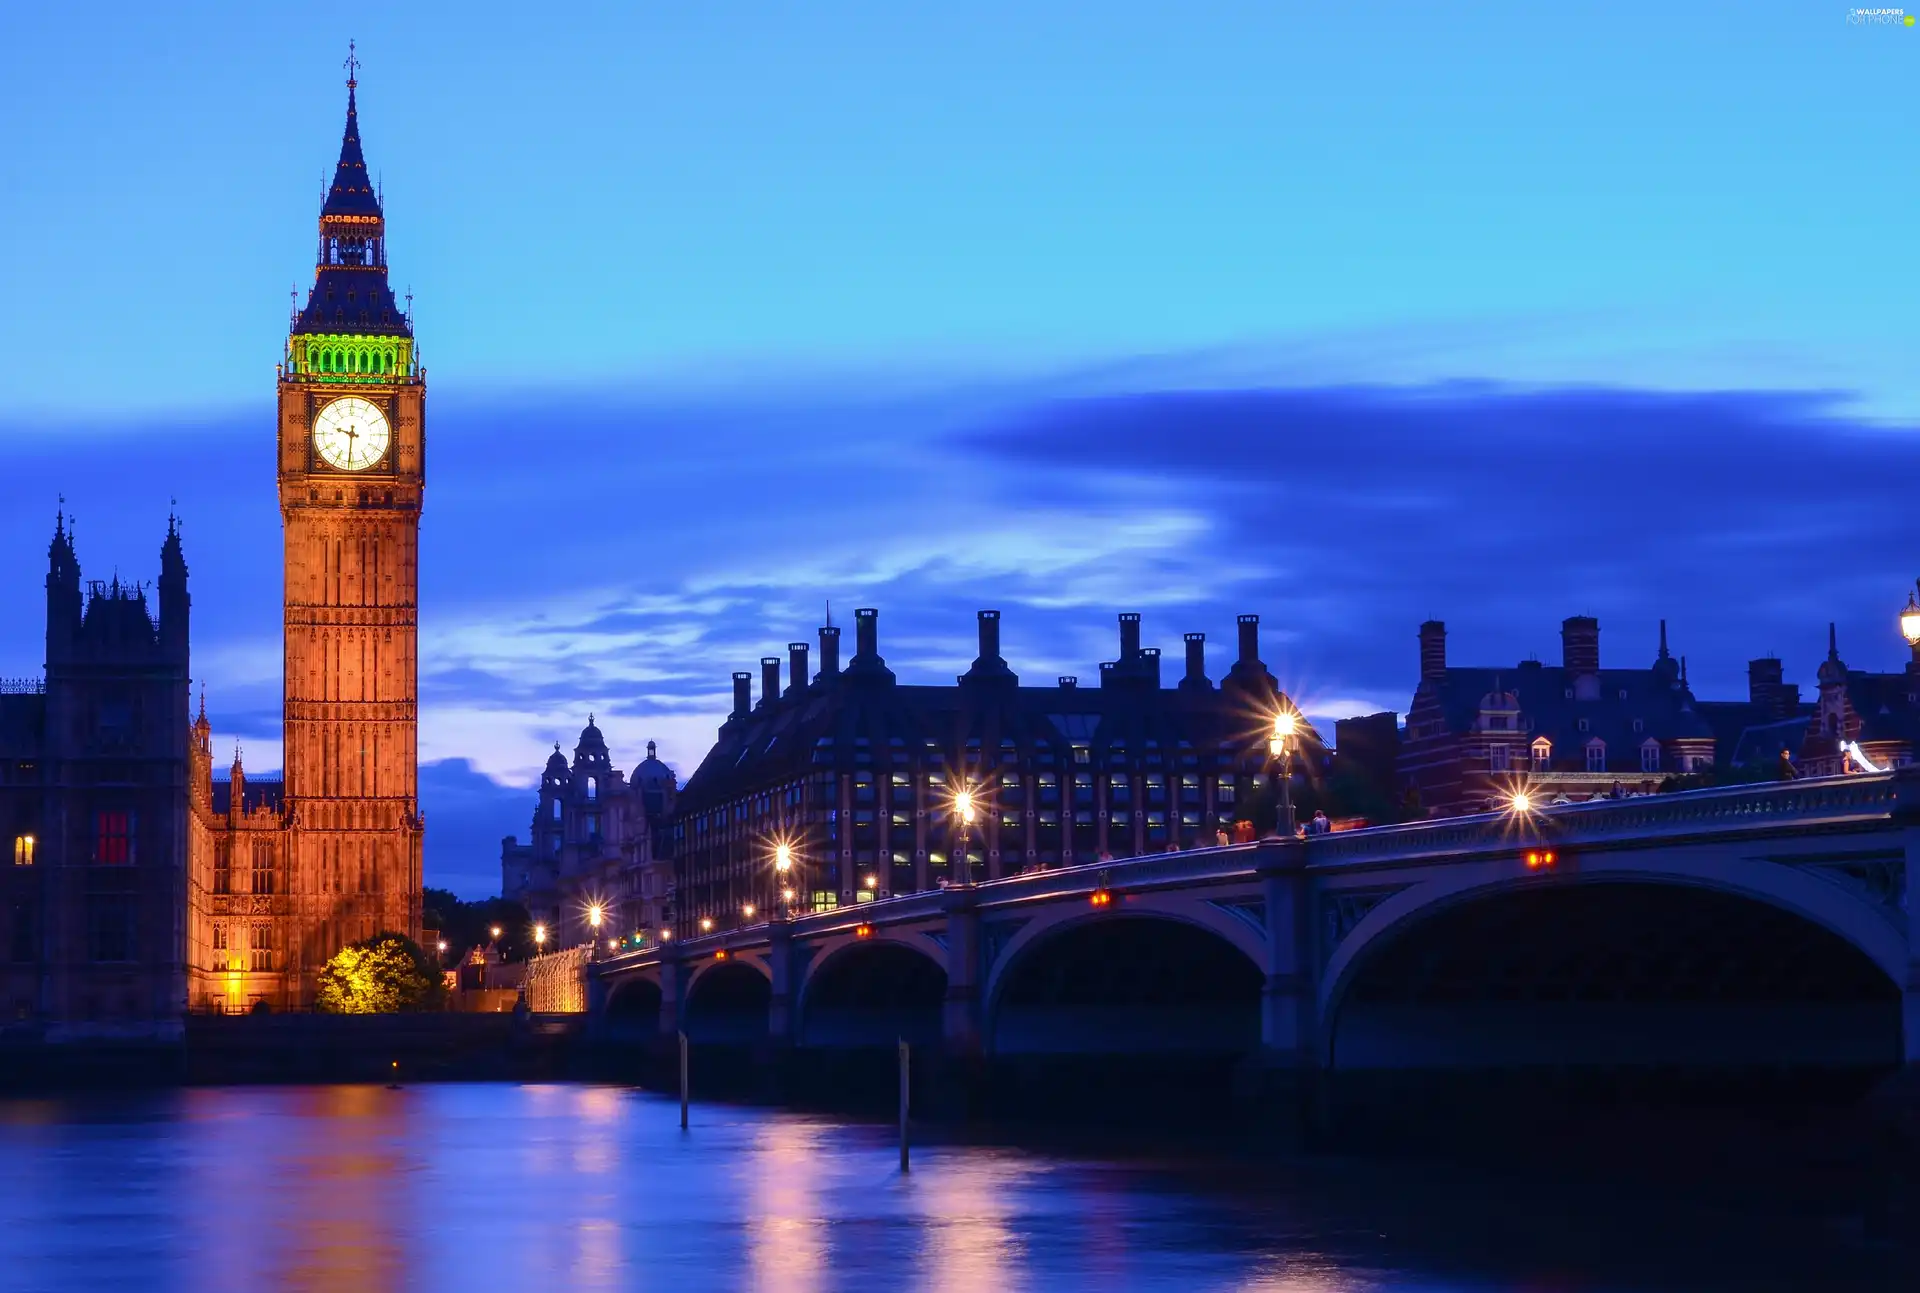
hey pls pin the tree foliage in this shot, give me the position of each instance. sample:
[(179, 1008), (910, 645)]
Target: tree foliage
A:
[(469, 924), (380, 975)]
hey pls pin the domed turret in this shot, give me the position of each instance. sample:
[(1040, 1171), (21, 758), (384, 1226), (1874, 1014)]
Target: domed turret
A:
[(592, 746), (557, 763), (650, 772)]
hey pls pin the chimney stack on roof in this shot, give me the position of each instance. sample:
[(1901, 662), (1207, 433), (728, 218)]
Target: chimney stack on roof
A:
[(797, 668), (1580, 644), (769, 679), (866, 636), (742, 695), (1129, 637), (1249, 641), (829, 650), (988, 666), (1433, 650), (989, 635), (1196, 679)]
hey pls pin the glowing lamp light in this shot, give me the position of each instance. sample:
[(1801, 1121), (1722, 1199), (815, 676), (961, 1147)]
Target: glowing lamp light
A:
[(1539, 859), (443, 946), (1910, 622), (863, 931), (873, 882), (963, 805), (747, 911), (613, 945), (786, 895), (1100, 898), (495, 931), (1521, 802), (665, 935), (783, 858), (540, 935), (1284, 725), (706, 924), (720, 954), (594, 914)]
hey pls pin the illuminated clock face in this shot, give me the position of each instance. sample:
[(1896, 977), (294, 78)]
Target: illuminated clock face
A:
[(351, 434)]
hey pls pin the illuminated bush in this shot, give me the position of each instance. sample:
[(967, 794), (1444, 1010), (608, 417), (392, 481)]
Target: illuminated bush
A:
[(380, 975)]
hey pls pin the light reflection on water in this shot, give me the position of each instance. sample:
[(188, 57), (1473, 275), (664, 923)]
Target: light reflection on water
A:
[(593, 1187)]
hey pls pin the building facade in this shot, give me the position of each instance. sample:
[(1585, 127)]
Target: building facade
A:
[(856, 772), (1861, 719), (93, 802), (598, 838), (1565, 732), (285, 879)]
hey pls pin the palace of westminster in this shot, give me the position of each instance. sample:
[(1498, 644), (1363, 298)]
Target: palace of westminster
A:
[(142, 885)]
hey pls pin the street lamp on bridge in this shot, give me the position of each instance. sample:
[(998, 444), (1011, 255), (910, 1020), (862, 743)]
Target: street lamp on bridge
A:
[(783, 869), (1280, 749), (1910, 622), (963, 812)]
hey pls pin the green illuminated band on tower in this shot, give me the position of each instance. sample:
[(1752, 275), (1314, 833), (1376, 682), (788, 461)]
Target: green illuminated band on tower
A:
[(348, 358)]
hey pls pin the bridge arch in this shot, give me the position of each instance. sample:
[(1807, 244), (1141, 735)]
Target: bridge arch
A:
[(1754, 967), (1791, 889), (1136, 981), (728, 1002), (633, 1007), (871, 993)]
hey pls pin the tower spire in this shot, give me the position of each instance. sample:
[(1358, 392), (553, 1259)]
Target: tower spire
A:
[(351, 194), (1663, 639)]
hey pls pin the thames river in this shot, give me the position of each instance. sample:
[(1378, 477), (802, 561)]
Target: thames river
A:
[(547, 1187)]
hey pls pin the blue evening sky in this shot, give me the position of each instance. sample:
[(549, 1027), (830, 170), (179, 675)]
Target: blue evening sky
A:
[(1348, 314)]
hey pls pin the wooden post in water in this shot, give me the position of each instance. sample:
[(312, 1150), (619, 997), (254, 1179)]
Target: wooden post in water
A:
[(683, 1081), (904, 1053)]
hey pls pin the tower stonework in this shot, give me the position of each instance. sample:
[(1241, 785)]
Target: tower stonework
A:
[(352, 470)]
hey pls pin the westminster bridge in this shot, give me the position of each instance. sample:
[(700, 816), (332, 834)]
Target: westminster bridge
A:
[(1756, 929)]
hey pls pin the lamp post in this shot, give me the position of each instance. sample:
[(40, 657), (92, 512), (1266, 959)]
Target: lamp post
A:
[(1280, 748), (746, 911), (539, 939), (594, 915), (783, 868), (963, 811), (1910, 623)]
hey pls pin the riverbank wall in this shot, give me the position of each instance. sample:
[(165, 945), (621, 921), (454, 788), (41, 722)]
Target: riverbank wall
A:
[(218, 1049)]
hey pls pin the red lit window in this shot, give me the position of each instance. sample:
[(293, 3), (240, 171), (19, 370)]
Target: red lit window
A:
[(112, 845)]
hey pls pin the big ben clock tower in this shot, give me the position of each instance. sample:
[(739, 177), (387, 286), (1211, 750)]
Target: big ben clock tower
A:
[(352, 466)]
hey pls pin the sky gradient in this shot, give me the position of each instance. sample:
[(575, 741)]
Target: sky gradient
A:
[(1350, 316)]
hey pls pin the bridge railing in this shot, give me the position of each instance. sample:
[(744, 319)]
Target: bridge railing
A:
[(1864, 797), (1816, 802)]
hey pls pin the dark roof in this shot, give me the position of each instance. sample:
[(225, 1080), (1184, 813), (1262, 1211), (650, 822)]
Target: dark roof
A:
[(1747, 732), (1610, 700), (353, 299), (838, 718), (1886, 704), (259, 792), (352, 192)]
